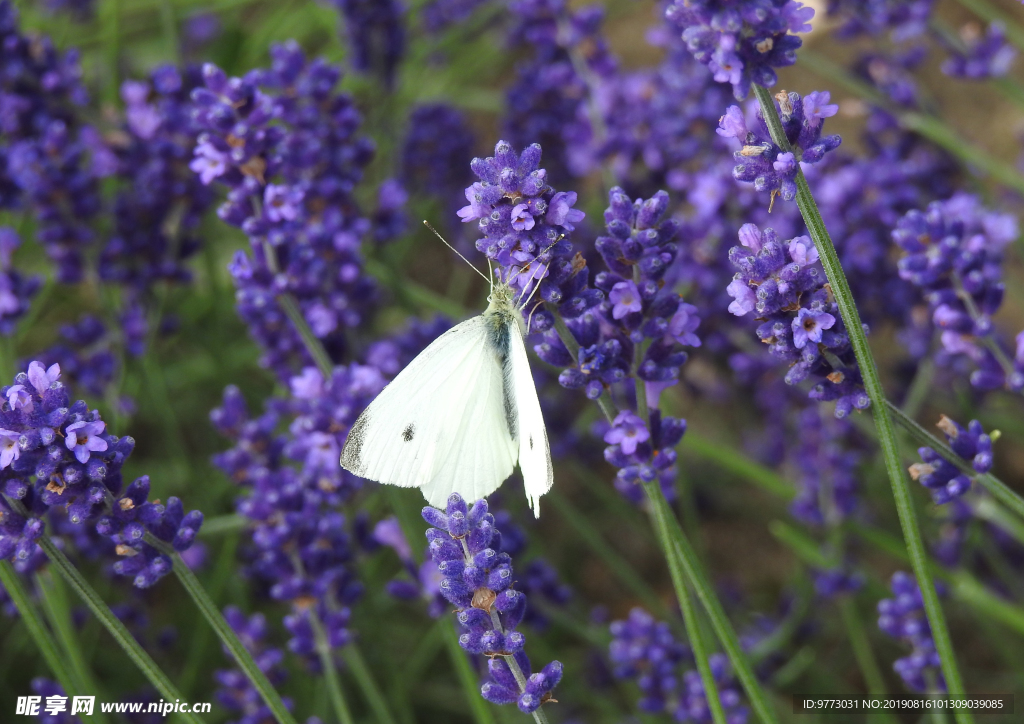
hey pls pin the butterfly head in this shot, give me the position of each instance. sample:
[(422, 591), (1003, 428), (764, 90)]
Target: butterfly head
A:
[(502, 295)]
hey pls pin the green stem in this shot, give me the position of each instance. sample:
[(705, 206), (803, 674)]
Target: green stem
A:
[(290, 307), (37, 630), (221, 574), (693, 633), (330, 671), (55, 603), (482, 713), (886, 433), (999, 490), (224, 631), (223, 525), (693, 572), (121, 635), (357, 665)]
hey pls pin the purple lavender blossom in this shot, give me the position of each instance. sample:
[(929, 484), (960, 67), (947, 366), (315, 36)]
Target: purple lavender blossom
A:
[(627, 432), (644, 649), (799, 319), (826, 469), (58, 457), (953, 251), (902, 617), (512, 204), (263, 138), (16, 290), (478, 580), (761, 160), (904, 19), (638, 250), (295, 491), (439, 15), (48, 157), (741, 45), (235, 691), (436, 152), (656, 121), (943, 479), (549, 100), (79, 10), (375, 30), (988, 56), (641, 454)]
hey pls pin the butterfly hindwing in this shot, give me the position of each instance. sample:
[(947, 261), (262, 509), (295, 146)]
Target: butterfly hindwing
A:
[(534, 452), (440, 425)]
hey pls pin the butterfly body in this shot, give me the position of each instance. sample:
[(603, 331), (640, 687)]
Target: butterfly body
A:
[(460, 415)]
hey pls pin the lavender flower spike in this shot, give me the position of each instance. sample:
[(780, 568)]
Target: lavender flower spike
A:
[(741, 42), (782, 285), (479, 582), (761, 161), (58, 462)]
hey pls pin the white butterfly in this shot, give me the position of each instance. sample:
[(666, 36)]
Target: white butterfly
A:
[(461, 414)]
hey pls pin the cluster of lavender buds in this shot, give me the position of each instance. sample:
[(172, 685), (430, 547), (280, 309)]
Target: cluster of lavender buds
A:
[(655, 123), (635, 307), (46, 154), (761, 161), (782, 286), (57, 457), (438, 15), (861, 199), (478, 580), (903, 18), (742, 43), (524, 222), (375, 30), (942, 478), (236, 692), (827, 470), (285, 144), (985, 56), (16, 289), (425, 583), (86, 354), (301, 549), (902, 617), (436, 152), (79, 10), (643, 455), (644, 649), (159, 207), (550, 100), (953, 251)]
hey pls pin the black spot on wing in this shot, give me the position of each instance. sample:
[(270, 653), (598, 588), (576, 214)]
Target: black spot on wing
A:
[(351, 454), (531, 442), (408, 432)]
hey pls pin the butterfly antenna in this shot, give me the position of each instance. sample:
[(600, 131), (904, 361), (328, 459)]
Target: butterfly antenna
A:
[(530, 320), (543, 251), (427, 224)]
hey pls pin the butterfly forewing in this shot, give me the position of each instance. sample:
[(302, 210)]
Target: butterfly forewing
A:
[(440, 425)]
